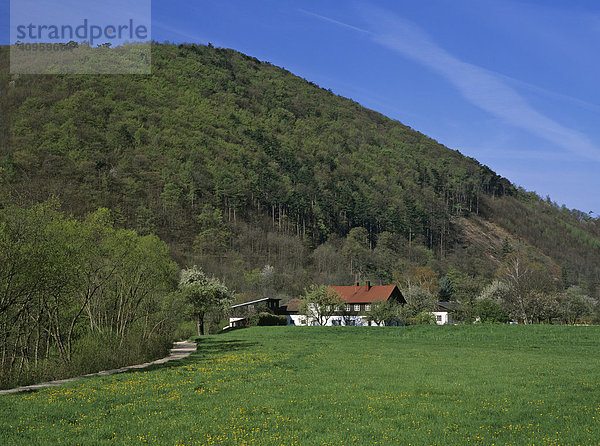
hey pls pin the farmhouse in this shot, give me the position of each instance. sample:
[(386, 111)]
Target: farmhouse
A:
[(357, 303), (358, 300)]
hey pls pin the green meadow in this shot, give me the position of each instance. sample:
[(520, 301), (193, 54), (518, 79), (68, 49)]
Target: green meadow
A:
[(450, 385)]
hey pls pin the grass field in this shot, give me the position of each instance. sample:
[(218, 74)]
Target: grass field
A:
[(337, 385)]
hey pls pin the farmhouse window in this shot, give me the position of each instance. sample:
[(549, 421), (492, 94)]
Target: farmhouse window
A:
[(367, 307), (357, 307), (438, 317), (348, 307)]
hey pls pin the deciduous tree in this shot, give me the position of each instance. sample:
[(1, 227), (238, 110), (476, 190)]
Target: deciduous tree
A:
[(527, 281), (385, 312), (320, 303), (418, 300), (206, 294)]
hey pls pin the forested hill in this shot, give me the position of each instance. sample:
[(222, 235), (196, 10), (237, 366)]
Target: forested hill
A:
[(273, 182)]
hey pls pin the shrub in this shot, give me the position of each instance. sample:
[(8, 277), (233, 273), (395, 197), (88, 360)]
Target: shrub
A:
[(268, 319), (185, 330), (490, 311), (92, 353), (424, 317)]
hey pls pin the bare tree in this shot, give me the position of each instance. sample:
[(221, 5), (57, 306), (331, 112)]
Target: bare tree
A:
[(530, 287)]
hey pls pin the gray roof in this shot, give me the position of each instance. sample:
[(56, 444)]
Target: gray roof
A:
[(448, 306), (264, 299)]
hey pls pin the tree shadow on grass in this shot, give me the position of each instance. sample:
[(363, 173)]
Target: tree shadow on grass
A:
[(214, 346), (205, 349)]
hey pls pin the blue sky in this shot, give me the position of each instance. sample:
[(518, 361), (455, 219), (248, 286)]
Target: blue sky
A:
[(511, 83)]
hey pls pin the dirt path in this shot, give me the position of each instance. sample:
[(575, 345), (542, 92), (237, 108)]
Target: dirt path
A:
[(179, 350)]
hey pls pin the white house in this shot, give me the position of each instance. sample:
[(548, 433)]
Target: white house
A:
[(445, 312), (358, 300)]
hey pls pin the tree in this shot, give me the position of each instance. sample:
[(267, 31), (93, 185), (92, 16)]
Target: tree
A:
[(574, 305), (206, 294), (56, 272), (320, 303), (267, 278), (544, 306), (497, 291), (214, 233), (528, 282), (488, 310), (390, 248), (506, 249), (418, 300), (329, 263), (348, 317), (385, 311), (170, 198), (356, 249), (465, 288), (423, 277), (446, 291)]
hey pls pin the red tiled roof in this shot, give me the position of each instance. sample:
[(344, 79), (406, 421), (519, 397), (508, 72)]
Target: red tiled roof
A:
[(364, 294)]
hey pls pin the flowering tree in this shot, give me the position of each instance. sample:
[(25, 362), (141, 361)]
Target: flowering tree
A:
[(206, 294)]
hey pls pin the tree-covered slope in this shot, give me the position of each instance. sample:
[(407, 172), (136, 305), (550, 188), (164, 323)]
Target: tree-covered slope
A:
[(237, 164)]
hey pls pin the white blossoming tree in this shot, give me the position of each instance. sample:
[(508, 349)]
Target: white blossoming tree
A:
[(206, 294)]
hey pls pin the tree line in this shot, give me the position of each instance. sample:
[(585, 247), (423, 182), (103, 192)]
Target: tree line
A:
[(522, 292), (80, 294)]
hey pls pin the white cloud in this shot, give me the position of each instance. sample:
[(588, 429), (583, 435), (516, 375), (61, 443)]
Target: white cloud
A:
[(552, 94), (484, 89), (335, 22)]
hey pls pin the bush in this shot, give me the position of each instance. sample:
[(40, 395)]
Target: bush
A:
[(267, 319), (490, 311), (423, 318), (185, 330), (92, 353), (96, 352)]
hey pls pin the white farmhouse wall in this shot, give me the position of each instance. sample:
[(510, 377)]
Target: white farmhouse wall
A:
[(359, 321), (296, 319)]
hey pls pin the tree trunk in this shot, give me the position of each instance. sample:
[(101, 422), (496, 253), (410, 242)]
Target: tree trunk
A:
[(200, 323)]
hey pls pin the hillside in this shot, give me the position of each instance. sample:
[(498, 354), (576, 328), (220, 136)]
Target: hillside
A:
[(239, 165)]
